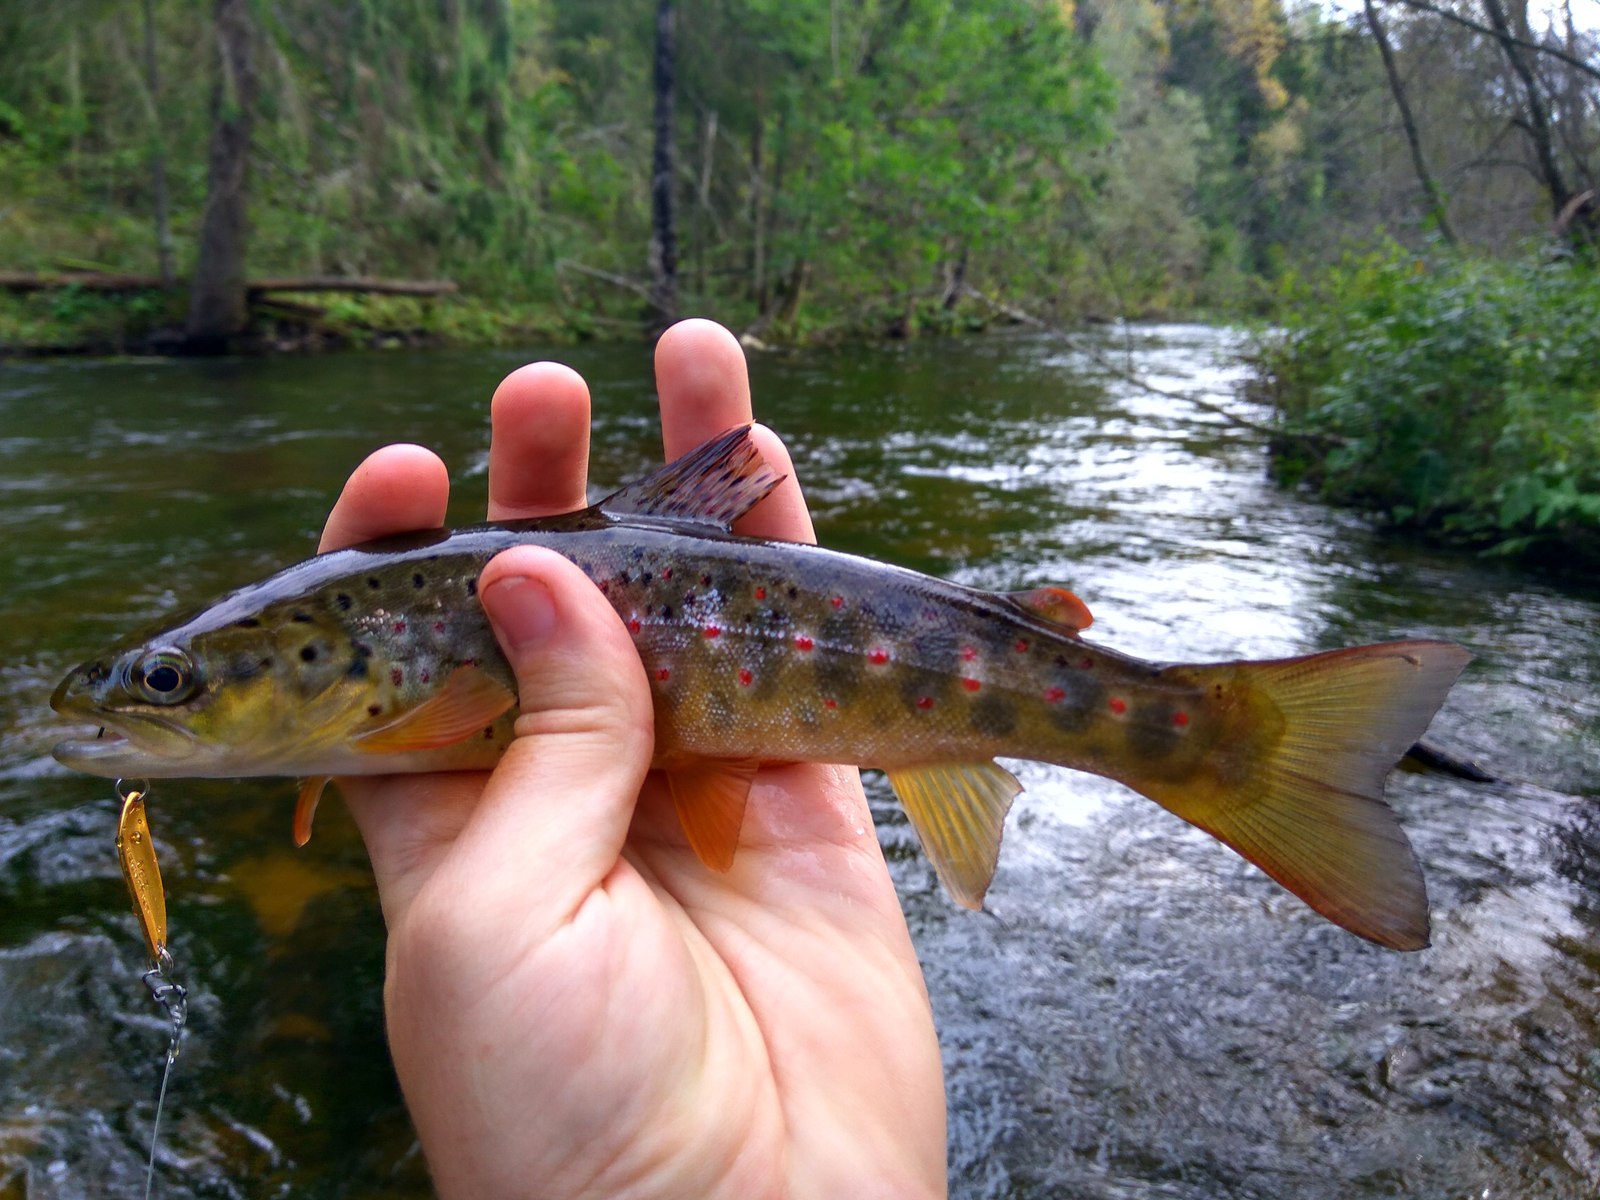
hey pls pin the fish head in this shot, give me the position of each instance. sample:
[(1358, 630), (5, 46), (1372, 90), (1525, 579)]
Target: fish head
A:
[(254, 695)]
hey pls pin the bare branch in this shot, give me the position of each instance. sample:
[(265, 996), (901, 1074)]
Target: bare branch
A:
[(1419, 162), (1571, 60)]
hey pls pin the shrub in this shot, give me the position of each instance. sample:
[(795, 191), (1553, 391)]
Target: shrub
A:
[(1458, 397)]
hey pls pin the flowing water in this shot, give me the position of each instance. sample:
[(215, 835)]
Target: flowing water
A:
[(1139, 1014)]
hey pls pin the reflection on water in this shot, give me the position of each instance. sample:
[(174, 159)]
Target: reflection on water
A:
[(1140, 1014)]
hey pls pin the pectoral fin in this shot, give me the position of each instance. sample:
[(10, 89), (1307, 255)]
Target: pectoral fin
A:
[(469, 702), (958, 811), (710, 799)]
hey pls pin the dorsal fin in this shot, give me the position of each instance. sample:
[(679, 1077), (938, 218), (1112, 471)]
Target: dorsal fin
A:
[(1056, 605), (714, 484)]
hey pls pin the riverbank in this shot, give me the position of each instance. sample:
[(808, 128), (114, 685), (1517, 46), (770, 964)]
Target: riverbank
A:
[(1457, 399), (70, 321), (64, 322)]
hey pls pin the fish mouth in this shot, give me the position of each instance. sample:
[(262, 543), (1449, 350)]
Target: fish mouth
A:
[(154, 750), (106, 743)]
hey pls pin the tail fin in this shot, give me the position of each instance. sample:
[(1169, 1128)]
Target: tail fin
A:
[(1296, 781)]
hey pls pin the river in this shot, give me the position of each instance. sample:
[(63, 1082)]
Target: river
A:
[(1138, 1014)]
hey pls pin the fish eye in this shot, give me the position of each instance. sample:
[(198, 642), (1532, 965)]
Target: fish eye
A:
[(163, 676)]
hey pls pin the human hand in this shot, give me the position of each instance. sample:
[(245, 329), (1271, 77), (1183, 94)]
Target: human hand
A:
[(576, 1006)]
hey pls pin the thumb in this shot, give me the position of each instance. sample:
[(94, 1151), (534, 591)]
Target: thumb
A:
[(555, 812)]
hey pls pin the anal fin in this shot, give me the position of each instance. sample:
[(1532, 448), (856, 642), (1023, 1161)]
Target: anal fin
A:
[(710, 799), (958, 811)]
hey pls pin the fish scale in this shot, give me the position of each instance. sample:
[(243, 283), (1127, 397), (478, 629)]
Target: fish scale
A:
[(378, 659)]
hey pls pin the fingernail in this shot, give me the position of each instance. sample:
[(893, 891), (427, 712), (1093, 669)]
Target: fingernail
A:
[(522, 610)]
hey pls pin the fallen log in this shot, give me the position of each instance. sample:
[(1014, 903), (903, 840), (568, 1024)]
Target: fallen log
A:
[(95, 281), (354, 283)]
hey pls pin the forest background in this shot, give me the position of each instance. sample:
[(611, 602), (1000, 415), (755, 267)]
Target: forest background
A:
[(1405, 188)]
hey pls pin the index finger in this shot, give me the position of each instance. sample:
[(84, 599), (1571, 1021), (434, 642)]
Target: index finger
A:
[(395, 490)]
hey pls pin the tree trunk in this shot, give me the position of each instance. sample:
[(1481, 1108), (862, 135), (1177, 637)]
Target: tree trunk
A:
[(955, 280), (491, 97), (158, 150), (758, 248), (702, 232), (1430, 189), (1579, 230), (218, 307), (664, 163)]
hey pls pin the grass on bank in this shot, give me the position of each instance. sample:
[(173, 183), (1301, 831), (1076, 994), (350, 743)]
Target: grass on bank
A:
[(1455, 397), (77, 321)]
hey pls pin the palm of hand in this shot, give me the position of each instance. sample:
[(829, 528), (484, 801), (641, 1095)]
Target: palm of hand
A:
[(653, 1029)]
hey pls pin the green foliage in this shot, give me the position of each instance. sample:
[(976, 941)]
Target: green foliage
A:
[(71, 319), (860, 167), (864, 158), (1454, 396)]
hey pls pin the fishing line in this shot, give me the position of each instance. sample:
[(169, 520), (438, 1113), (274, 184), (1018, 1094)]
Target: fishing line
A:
[(137, 853)]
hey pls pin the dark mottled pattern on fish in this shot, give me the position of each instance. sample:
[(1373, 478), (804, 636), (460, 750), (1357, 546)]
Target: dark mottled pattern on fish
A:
[(750, 649)]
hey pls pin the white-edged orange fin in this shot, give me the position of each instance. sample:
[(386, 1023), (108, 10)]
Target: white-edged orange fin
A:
[(710, 799), (958, 811), (714, 484), (1056, 605), (305, 806), (469, 702)]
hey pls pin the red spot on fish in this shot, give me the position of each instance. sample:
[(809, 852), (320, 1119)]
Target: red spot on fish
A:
[(666, 572), (968, 653), (830, 705), (1086, 663), (745, 678), (761, 593), (803, 643), (877, 656), (971, 685), (1022, 646), (712, 631), (399, 626), (395, 676), (1180, 719), (924, 702), (633, 625), (438, 626), (664, 674), (1119, 705), (1055, 695), (427, 676), (837, 602)]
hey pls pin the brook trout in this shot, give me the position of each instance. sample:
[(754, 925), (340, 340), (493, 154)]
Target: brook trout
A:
[(378, 659)]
